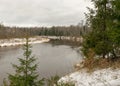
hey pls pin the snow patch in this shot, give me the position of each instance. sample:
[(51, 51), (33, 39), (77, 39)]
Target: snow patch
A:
[(21, 41), (104, 77)]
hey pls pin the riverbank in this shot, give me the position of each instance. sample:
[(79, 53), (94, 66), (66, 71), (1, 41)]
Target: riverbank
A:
[(103, 77), (21, 41), (70, 38)]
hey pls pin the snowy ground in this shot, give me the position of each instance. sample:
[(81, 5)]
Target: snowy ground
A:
[(104, 77), (21, 41)]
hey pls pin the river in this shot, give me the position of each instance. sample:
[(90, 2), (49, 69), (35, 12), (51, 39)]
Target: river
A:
[(52, 60)]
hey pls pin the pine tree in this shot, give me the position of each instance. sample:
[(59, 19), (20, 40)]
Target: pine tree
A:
[(104, 20), (26, 71), (115, 31), (105, 34), (97, 40)]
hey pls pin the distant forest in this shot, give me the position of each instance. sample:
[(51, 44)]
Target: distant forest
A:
[(18, 32)]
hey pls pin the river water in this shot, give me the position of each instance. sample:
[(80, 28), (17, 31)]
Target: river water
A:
[(52, 60)]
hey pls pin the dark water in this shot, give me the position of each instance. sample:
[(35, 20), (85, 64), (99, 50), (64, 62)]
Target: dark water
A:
[(51, 60)]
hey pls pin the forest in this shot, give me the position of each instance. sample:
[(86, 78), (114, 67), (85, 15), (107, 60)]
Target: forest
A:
[(18, 32)]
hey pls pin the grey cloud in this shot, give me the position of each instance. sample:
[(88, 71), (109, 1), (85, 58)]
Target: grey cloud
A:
[(42, 12)]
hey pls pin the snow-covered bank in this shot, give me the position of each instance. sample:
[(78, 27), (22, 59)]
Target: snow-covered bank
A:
[(21, 41), (79, 39), (104, 77)]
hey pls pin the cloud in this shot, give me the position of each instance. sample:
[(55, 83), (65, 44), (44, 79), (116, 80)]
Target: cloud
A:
[(42, 12)]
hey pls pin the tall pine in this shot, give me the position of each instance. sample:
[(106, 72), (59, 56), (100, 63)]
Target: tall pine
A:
[(103, 40), (115, 27)]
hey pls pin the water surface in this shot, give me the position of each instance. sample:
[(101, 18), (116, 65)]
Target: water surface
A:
[(51, 60)]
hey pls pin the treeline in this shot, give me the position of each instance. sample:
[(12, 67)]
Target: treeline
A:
[(74, 31), (17, 32)]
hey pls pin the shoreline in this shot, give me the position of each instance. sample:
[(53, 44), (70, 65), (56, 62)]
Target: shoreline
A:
[(22, 41)]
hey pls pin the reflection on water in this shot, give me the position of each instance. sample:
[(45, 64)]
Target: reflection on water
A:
[(51, 60), (71, 43)]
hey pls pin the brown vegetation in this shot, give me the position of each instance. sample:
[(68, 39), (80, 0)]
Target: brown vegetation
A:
[(92, 64)]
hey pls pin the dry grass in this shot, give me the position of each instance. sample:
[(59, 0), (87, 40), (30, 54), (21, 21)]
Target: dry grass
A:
[(92, 64)]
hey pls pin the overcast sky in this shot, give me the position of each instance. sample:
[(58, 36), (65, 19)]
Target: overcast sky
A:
[(42, 12)]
